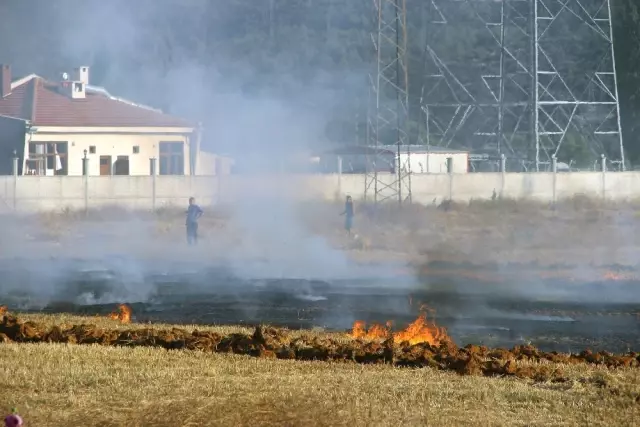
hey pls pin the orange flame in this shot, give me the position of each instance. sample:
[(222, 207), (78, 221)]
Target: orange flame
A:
[(616, 276), (419, 331), (375, 331), (422, 330), (123, 314)]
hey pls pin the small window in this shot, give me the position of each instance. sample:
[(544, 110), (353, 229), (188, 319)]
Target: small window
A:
[(171, 158), (136, 149), (92, 149)]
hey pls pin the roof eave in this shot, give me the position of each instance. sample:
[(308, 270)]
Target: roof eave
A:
[(4, 116), (114, 129), (23, 80)]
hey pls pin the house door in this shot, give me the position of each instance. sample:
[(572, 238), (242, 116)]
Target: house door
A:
[(105, 165), (122, 165)]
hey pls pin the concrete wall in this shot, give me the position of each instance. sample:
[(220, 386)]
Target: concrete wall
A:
[(114, 145), (32, 193)]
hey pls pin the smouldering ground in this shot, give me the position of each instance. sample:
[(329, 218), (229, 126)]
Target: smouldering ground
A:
[(54, 384)]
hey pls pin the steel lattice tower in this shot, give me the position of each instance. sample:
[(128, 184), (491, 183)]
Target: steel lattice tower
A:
[(530, 79), (388, 108)]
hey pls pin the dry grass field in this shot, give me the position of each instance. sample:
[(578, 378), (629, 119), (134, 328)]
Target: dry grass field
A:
[(575, 231), (92, 385), (54, 385)]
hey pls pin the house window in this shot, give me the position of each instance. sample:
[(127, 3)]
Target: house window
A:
[(92, 149), (121, 166), (172, 158), (47, 158), (136, 149)]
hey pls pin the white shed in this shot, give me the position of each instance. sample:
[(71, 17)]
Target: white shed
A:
[(433, 159)]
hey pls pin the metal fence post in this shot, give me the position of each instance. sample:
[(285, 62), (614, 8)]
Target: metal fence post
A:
[(152, 169), (603, 159), (503, 173), (554, 169), (450, 172), (15, 181), (85, 172)]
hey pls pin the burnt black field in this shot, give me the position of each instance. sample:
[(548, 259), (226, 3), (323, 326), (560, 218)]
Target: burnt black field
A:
[(494, 306)]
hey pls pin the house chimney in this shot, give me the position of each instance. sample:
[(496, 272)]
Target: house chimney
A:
[(5, 80), (73, 89), (81, 74)]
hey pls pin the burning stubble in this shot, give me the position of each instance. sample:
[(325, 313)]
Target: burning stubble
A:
[(123, 314), (421, 330)]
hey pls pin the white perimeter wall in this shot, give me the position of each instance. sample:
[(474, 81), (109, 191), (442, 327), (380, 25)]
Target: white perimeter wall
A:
[(32, 193)]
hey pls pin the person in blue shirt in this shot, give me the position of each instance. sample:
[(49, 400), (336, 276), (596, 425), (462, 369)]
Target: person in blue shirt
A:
[(194, 212), (348, 213)]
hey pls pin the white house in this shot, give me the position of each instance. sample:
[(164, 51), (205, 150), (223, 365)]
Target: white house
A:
[(419, 158), (52, 126), (423, 159)]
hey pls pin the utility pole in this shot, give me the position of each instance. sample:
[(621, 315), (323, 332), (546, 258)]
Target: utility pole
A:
[(388, 110)]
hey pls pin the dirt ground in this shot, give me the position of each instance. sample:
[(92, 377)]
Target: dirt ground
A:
[(91, 385), (579, 231)]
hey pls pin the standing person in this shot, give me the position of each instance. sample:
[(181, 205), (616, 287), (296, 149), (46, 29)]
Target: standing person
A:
[(194, 212), (348, 213)]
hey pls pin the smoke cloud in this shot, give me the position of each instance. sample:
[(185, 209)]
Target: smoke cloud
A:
[(268, 121)]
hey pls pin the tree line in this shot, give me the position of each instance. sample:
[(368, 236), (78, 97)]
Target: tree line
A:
[(282, 46)]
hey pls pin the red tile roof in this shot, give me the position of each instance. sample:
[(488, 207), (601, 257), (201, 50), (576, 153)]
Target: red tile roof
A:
[(39, 101)]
